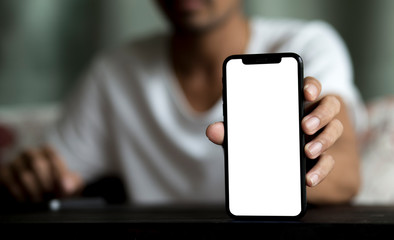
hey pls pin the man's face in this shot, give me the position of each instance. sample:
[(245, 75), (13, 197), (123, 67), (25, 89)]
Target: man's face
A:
[(198, 15)]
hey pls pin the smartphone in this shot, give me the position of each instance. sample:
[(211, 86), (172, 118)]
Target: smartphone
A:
[(263, 145)]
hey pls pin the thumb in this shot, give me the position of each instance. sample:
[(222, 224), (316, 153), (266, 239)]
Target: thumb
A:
[(68, 183), (215, 132), (71, 184)]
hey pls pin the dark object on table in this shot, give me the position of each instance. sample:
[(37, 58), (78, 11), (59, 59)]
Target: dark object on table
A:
[(110, 188)]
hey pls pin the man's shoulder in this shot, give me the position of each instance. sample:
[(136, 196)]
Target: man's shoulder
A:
[(297, 34), (139, 53), (288, 24)]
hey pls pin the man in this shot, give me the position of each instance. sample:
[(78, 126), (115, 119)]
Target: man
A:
[(141, 112)]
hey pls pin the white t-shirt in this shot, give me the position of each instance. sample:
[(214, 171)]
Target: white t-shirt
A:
[(129, 116)]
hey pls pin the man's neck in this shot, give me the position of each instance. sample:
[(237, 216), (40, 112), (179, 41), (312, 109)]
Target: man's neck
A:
[(197, 59)]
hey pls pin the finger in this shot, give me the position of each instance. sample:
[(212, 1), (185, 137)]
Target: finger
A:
[(22, 171), (326, 110), (57, 168), (312, 89), (40, 168), (66, 182), (17, 167), (215, 132), (30, 185), (324, 140), (8, 180), (320, 171)]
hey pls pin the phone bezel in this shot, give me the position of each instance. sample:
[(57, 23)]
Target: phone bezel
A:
[(267, 58)]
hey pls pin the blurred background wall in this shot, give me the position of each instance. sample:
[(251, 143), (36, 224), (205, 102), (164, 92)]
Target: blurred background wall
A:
[(46, 44)]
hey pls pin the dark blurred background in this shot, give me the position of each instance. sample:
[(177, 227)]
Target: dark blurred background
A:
[(46, 44)]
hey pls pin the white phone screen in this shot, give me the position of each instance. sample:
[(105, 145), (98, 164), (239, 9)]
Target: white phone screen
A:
[(263, 138)]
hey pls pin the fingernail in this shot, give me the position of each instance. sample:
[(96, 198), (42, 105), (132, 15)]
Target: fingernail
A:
[(68, 185), (311, 89), (314, 179), (314, 148), (312, 123)]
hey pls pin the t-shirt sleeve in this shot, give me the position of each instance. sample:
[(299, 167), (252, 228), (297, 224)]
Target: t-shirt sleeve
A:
[(327, 59), (79, 135)]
